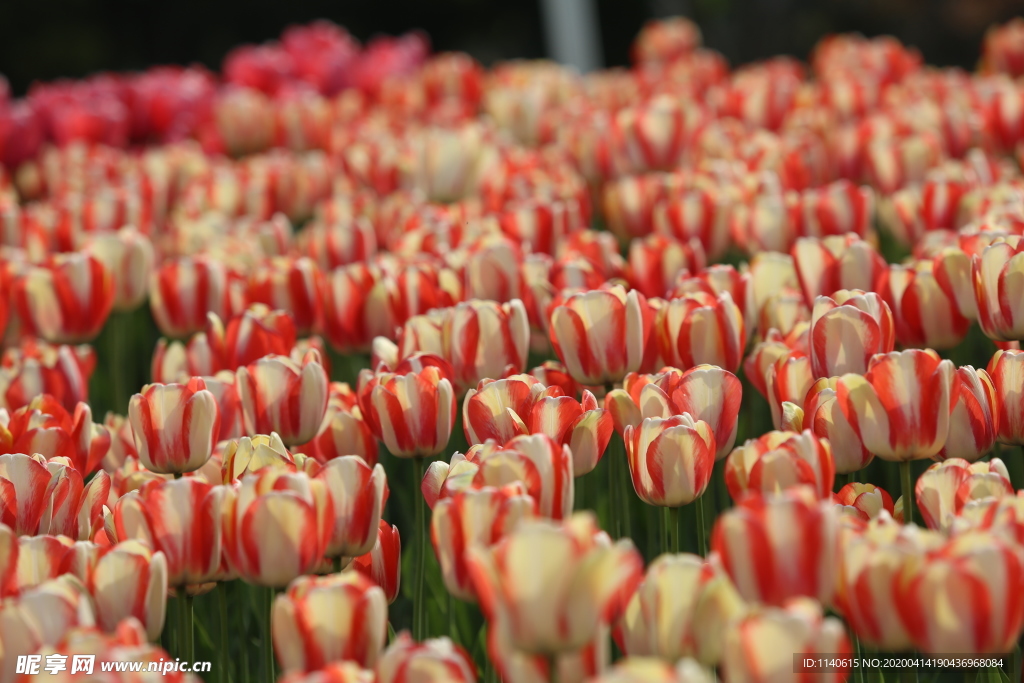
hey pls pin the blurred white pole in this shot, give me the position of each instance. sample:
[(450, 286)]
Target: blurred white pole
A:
[(573, 34)]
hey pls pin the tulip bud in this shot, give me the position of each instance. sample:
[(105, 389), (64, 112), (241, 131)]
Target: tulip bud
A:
[(130, 580), (847, 329), (779, 460), (66, 300), (382, 564), (670, 460), (175, 426), (279, 395)]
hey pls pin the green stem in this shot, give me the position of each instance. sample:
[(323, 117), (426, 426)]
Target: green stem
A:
[(674, 529), (908, 498), (451, 617), (626, 492), (664, 540), (702, 543), (614, 520), (419, 619), (243, 596), (848, 479), (1015, 664), (115, 334), (223, 645), (857, 653), (267, 641), (186, 637), (1015, 465), (553, 668)]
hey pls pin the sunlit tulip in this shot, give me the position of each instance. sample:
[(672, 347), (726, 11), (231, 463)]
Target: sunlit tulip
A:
[(40, 559), (291, 285), (943, 618), (699, 329), (601, 335), (280, 395), (828, 264), (760, 647), (344, 431), (821, 413), (974, 421), (437, 660), (45, 427), (521, 404), (924, 314), (357, 490), (201, 356), (356, 308), (946, 487), (483, 338), (847, 329), (323, 619), (383, 564), (474, 517), (182, 292), (49, 498), (180, 518), (128, 256), (648, 670), (779, 460), (413, 413), (39, 368), (775, 547), (276, 526), (670, 460), (706, 392), (66, 300), (655, 261), (130, 580), (175, 426), (257, 332), (996, 282), (900, 407), (1006, 368), (788, 379), (867, 501), (555, 599), (680, 610)]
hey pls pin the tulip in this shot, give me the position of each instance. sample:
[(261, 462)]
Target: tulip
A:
[(601, 335), (358, 492), (249, 455), (291, 285), (470, 518), (122, 442), (946, 487), (130, 580), (760, 646), (182, 292), (324, 619), (344, 432), (335, 672), (40, 559), (179, 518), (822, 414), (175, 426), (778, 547), (413, 413), (788, 379), (700, 329), (706, 392), (656, 260), (437, 660), (128, 256), (532, 591), (66, 300), (276, 526), (680, 610), (847, 329), (39, 368), (942, 618), (515, 666), (257, 332), (8, 561), (49, 498), (45, 427), (642, 670), (280, 395), (925, 315), (356, 308), (1008, 416), (201, 356), (483, 338), (779, 460), (670, 460), (974, 420), (866, 501), (382, 564), (994, 291), (828, 264)]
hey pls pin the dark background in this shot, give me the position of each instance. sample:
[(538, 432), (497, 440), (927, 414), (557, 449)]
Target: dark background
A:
[(48, 39)]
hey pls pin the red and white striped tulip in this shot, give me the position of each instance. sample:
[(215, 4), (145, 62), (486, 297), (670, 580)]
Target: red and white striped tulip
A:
[(670, 460), (43, 426), (925, 315), (412, 413), (946, 487), (847, 329), (65, 300), (866, 501), (37, 368), (344, 431), (180, 518), (129, 580), (788, 379), (356, 309), (358, 491), (383, 564), (291, 285), (43, 497), (483, 339), (828, 264), (997, 290), (474, 517), (437, 660), (8, 561), (324, 619), (257, 332), (175, 426), (183, 291), (680, 610), (335, 672), (656, 261), (943, 617), (774, 346), (974, 421), (601, 335), (780, 460), (776, 547), (276, 526), (201, 356), (554, 601), (40, 559), (706, 392), (280, 395), (900, 407), (647, 670), (577, 666), (759, 647), (823, 415), (1006, 368), (699, 329), (128, 256)]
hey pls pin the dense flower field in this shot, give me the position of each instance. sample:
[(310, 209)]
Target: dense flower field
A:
[(444, 374)]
